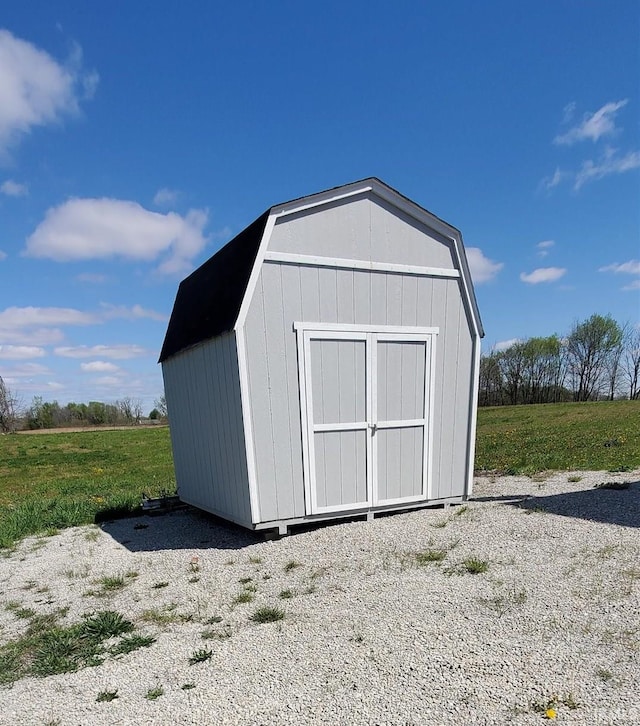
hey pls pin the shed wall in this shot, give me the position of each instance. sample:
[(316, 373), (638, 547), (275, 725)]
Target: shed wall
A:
[(286, 293), (207, 436), (362, 228)]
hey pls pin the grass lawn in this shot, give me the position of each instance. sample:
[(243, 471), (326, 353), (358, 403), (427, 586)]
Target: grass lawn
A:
[(602, 436), (49, 481)]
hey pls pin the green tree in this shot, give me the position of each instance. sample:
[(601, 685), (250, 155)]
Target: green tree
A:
[(591, 348)]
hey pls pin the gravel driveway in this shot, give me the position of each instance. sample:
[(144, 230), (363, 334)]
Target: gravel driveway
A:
[(392, 621)]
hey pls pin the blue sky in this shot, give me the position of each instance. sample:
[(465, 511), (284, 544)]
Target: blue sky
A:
[(136, 138)]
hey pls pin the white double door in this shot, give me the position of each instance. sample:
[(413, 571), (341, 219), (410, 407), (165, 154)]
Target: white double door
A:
[(366, 410)]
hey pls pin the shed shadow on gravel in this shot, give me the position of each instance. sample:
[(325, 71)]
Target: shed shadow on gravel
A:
[(609, 506), (185, 529)]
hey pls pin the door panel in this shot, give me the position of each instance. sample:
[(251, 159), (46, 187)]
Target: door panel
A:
[(401, 367), (338, 381), (341, 468), (400, 462)]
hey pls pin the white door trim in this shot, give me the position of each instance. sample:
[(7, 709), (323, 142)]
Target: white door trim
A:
[(371, 334)]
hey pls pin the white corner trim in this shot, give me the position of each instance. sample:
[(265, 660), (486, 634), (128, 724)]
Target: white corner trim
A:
[(255, 273), (247, 424), (290, 258), (471, 444)]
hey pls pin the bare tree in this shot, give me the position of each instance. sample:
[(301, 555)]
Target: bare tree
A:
[(161, 406), (9, 406), (631, 361)]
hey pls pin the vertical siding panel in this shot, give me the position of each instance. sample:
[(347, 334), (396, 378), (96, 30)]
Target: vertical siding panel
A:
[(345, 296), (362, 297), (238, 451), (441, 394), (259, 384), (464, 392), (378, 298), (409, 313), (214, 410), (328, 295), (291, 311), (278, 390), (394, 299)]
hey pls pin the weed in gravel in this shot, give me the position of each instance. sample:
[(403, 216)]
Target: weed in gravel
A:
[(243, 597), (193, 579), (78, 574), (267, 615), (570, 702), (110, 583), (291, 565), (213, 619), (216, 634), (459, 511), (604, 675), (286, 594), (200, 656), (130, 643), (440, 524), (106, 696), (92, 535), (255, 560), (430, 556), (187, 686), (163, 616), (160, 585), (245, 580), (19, 611), (505, 601), (574, 479), (105, 624), (475, 566), (154, 693), (48, 648)]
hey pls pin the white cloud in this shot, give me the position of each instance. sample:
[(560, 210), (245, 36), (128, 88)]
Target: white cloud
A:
[(3, 255), (26, 370), (14, 189), (633, 285), (20, 352), (109, 381), (91, 278), (85, 229), (568, 111), (543, 274), (99, 366), (609, 164), (31, 336), (558, 176), (16, 318), (35, 89), (164, 197), (544, 247), (137, 312), (593, 125), (115, 352), (632, 267), (504, 344), (482, 268)]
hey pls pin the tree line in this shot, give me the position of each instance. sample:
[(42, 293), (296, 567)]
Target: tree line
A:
[(50, 414), (598, 360)]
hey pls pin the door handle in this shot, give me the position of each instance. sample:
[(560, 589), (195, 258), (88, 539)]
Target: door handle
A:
[(373, 427)]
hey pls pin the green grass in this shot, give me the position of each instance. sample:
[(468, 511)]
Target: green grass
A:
[(47, 647), (267, 615), (57, 480), (559, 436)]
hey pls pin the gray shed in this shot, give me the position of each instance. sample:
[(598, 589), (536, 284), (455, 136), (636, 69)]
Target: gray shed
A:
[(324, 363)]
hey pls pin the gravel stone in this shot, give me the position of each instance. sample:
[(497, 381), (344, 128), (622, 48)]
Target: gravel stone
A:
[(370, 636)]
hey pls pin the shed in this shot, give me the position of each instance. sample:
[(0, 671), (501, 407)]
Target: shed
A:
[(324, 363)]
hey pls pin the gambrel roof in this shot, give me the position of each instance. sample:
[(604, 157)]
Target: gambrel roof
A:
[(210, 299)]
